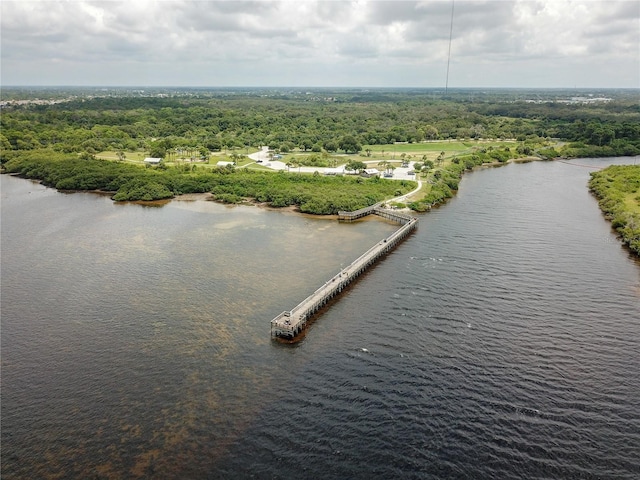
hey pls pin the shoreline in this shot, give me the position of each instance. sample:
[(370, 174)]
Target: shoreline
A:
[(207, 196), (614, 187), (293, 209)]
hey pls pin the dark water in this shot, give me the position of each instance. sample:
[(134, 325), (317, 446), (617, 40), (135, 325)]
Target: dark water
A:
[(502, 340)]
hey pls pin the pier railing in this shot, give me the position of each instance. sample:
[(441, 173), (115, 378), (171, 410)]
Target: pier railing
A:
[(290, 323)]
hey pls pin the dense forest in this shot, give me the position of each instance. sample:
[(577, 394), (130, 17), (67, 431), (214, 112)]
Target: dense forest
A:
[(47, 132), (211, 121)]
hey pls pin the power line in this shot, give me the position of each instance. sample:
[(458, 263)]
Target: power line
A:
[(446, 85)]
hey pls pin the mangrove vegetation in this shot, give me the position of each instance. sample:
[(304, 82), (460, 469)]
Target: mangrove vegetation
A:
[(317, 194), (618, 190)]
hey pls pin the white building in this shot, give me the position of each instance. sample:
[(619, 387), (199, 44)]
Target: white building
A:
[(370, 172)]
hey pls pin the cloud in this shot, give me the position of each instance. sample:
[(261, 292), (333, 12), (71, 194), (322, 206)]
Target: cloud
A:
[(359, 42)]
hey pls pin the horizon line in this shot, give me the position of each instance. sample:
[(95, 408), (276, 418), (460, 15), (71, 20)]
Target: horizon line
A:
[(344, 87)]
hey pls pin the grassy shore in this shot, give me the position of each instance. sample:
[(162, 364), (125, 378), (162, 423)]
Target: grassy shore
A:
[(618, 190)]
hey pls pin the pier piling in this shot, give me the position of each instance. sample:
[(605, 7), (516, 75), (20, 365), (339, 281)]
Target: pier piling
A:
[(290, 323)]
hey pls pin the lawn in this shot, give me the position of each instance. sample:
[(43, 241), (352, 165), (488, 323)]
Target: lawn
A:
[(138, 157), (450, 147)]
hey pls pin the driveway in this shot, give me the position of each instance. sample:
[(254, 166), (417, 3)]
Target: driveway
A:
[(262, 157), (400, 173)]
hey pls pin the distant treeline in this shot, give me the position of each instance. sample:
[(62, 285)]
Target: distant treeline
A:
[(339, 122), (618, 190), (317, 194)]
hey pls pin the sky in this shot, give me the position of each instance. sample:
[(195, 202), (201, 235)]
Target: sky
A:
[(331, 43)]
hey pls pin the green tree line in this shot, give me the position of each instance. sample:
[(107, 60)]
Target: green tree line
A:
[(213, 123), (618, 190), (316, 194)]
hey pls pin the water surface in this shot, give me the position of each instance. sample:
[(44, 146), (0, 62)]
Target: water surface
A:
[(498, 341)]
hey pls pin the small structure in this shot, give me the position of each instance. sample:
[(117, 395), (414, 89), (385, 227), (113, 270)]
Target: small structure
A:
[(152, 161), (370, 172)]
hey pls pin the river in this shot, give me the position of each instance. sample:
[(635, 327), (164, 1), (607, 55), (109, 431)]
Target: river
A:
[(501, 340)]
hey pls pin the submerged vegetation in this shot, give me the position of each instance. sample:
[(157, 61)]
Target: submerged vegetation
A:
[(87, 139), (618, 190)]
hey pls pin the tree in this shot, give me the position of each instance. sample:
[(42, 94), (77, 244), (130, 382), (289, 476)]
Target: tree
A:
[(213, 145), (4, 143), (204, 153), (330, 146), (430, 132), (235, 157), (355, 166), (286, 147), (157, 151), (306, 143), (294, 163), (349, 144)]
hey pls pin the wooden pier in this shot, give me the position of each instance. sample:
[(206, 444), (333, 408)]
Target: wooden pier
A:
[(290, 323)]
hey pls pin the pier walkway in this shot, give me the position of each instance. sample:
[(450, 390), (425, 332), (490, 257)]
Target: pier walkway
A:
[(290, 323)]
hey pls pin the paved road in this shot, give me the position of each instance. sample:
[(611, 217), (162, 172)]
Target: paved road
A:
[(400, 173)]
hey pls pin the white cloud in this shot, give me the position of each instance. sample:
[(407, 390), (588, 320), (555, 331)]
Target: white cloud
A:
[(495, 43)]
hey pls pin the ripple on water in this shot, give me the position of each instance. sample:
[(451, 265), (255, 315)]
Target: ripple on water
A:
[(498, 341)]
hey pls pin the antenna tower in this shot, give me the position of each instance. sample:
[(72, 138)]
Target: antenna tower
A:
[(446, 85)]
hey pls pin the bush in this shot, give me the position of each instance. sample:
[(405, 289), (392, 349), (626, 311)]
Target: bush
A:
[(142, 190)]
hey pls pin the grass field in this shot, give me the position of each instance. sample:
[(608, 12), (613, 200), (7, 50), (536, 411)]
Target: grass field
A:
[(214, 158), (391, 152), (449, 147)]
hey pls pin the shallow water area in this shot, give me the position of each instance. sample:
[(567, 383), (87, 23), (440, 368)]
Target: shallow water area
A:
[(498, 341)]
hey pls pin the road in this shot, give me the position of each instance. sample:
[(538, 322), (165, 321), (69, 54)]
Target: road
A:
[(262, 157), (400, 173)]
